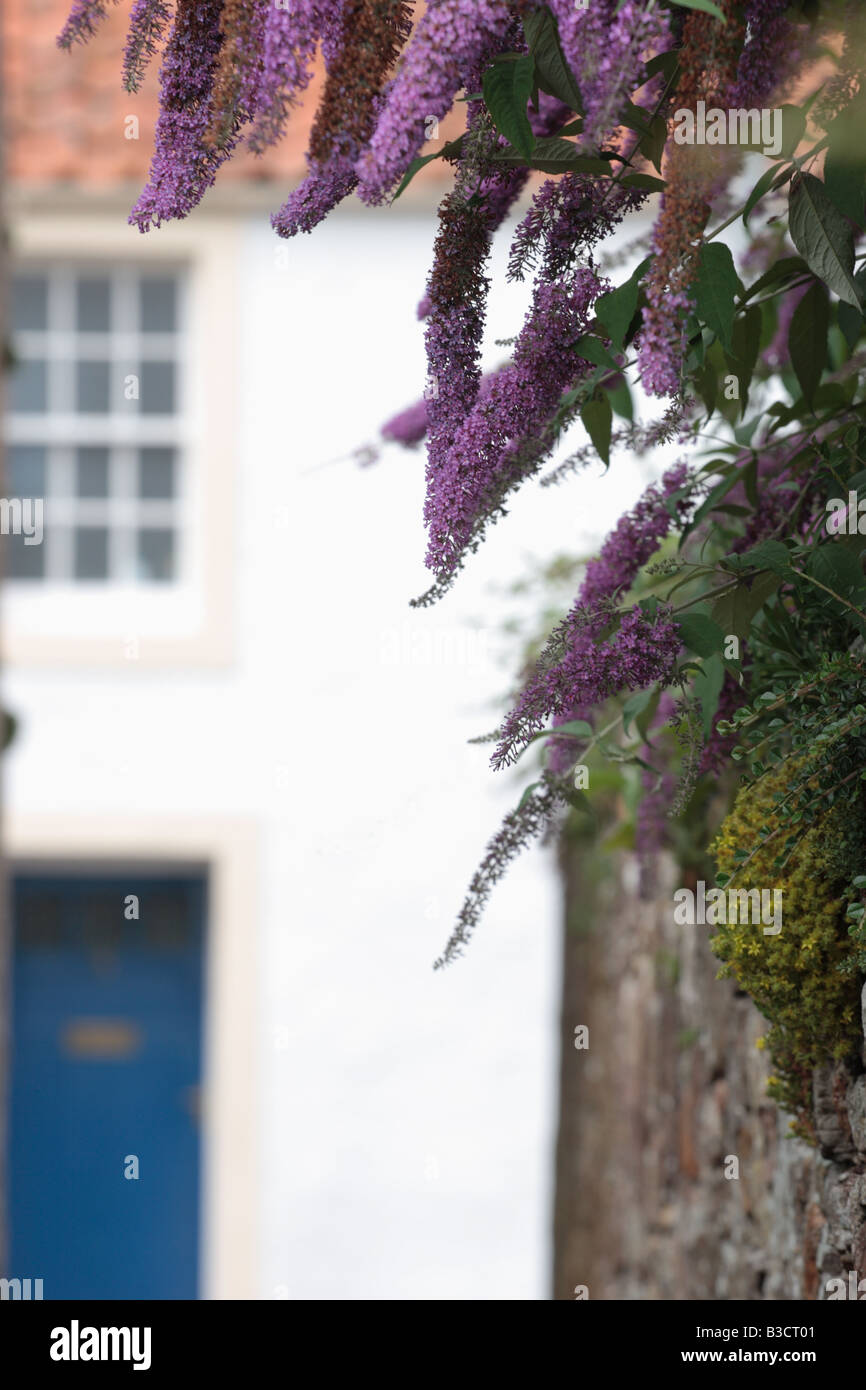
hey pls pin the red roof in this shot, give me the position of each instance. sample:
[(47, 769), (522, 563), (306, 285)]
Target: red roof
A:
[(65, 112)]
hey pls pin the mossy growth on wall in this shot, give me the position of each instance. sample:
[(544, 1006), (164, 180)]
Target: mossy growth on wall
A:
[(806, 979)]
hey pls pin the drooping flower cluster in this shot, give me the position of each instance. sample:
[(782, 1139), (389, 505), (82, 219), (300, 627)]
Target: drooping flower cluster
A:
[(148, 22), (289, 41), (359, 52), (409, 426), (709, 69), (83, 21), (568, 216), (605, 43), (449, 42), (580, 668), (185, 162), (484, 461), (768, 55)]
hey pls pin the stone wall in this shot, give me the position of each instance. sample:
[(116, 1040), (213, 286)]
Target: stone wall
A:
[(671, 1087)]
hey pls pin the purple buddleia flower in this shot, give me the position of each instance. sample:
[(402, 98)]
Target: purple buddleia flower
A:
[(661, 344), (184, 165), (409, 427), (83, 21), (470, 478), (289, 43), (641, 651), (579, 669), (318, 194), (568, 214), (612, 68), (147, 24), (448, 44), (769, 55), (605, 45), (454, 306), (457, 288), (634, 539), (351, 104)]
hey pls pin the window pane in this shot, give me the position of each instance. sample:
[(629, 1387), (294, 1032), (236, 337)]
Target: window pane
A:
[(91, 472), (156, 553), (23, 561), (91, 552), (157, 388), (93, 302), (25, 470), (29, 302), (92, 387), (28, 387), (157, 305), (156, 472)]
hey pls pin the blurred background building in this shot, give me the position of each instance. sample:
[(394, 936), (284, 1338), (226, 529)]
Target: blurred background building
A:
[(240, 804)]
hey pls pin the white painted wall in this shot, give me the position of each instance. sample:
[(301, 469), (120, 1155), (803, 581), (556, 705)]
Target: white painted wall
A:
[(406, 1118)]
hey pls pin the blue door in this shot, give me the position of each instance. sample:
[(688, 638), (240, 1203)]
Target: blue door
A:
[(104, 1114)]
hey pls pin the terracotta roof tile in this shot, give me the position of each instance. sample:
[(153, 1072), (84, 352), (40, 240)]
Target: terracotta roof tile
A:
[(66, 113)]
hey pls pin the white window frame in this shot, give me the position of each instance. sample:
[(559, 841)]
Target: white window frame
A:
[(122, 430), (190, 621)]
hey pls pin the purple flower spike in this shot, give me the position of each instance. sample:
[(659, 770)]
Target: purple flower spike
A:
[(449, 43)]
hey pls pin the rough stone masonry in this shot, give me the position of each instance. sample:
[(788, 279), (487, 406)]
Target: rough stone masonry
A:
[(671, 1087)]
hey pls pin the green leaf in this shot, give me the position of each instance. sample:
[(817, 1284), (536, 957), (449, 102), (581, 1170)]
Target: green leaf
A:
[(620, 399), (652, 144), (719, 492), (786, 268), (597, 419), (635, 705), (593, 350), (448, 151), (838, 566), (715, 287), (705, 6), (700, 634), (735, 611), (634, 118), (708, 687), (768, 555), (706, 381), (576, 728), (551, 68), (645, 181), (507, 88), (578, 799), (555, 156), (823, 237), (845, 185), (746, 341), (648, 713), (757, 193), (527, 793), (850, 321), (807, 338), (793, 129), (665, 63), (616, 309)]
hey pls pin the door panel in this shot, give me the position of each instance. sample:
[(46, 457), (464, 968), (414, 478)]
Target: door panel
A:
[(106, 1028)]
